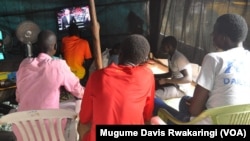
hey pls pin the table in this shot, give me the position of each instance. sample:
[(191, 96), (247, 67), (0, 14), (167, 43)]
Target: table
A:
[(7, 90), (158, 66)]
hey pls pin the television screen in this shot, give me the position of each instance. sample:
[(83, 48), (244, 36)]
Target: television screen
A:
[(79, 15), (1, 46), (1, 56)]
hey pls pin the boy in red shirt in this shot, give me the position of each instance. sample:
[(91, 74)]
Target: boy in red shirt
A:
[(119, 94)]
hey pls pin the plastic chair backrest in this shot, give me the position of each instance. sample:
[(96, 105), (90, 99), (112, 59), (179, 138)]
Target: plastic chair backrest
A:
[(44, 125), (227, 115), (232, 114)]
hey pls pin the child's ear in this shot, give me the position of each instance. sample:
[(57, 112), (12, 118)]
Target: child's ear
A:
[(55, 47)]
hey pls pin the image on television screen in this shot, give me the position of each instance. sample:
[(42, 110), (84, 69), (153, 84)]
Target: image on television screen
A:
[(1, 56), (79, 15)]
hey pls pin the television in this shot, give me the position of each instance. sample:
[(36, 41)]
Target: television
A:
[(2, 56), (77, 14), (1, 46)]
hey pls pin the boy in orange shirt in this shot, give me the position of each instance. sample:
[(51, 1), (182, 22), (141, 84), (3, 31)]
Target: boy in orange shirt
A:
[(76, 51)]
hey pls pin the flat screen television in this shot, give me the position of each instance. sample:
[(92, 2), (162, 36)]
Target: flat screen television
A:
[(1, 46), (78, 14), (2, 56)]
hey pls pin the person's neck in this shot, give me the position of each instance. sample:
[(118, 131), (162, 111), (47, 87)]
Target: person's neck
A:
[(234, 45), (171, 53), (50, 54), (130, 64), (240, 44), (127, 63)]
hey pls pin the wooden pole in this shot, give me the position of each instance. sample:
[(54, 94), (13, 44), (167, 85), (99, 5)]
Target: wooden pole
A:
[(96, 35)]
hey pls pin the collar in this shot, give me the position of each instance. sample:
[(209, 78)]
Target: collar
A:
[(44, 56), (130, 64)]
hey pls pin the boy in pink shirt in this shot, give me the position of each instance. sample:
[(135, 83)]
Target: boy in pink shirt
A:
[(39, 78)]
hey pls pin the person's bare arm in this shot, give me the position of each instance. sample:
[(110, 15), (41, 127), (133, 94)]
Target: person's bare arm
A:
[(163, 75), (197, 103), (82, 129), (187, 78)]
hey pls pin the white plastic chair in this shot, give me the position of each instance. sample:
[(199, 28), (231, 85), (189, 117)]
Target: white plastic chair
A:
[(44, 125), (224, 115)]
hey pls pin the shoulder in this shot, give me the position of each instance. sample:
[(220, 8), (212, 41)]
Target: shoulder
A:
[(214, 55), (145, 70), (83, 40), (26, 61), (61, 66), (180, 59), (59, 62), (96, 75), (65, 38), (214, 59), (179, 56), (146, 74)]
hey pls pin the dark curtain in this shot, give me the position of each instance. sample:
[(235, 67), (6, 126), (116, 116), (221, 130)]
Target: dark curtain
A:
[(191, 22), (156, 9)]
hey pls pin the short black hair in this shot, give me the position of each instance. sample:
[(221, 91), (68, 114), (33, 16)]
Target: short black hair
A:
[(170, 40), (73, 30), (232, 25), (45, 41), (134, 49)]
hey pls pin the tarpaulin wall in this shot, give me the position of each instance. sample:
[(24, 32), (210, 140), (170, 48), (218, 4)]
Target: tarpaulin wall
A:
[(117, 19)]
